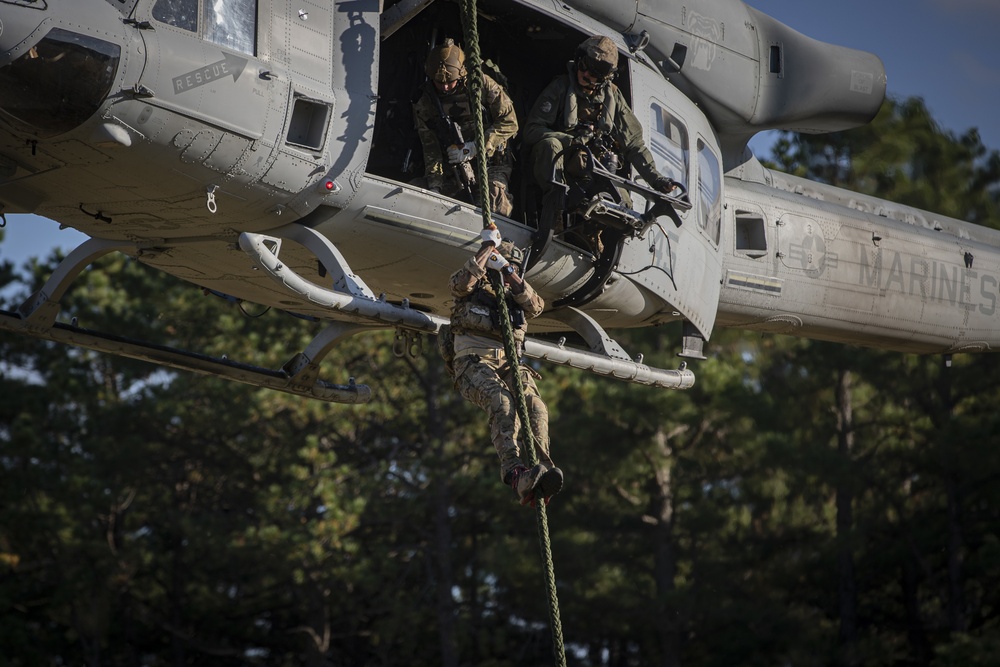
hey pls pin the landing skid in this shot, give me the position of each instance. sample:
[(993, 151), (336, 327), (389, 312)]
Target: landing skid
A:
[(37, 317), (605, 356), (280, 380)]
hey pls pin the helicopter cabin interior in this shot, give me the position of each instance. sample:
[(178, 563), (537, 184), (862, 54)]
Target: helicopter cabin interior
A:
[(522, 49)]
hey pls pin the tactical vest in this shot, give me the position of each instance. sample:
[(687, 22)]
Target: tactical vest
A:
[(479, 314), (458, 107), (578, 109)]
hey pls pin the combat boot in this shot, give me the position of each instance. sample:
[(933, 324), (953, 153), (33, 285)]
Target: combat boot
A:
[(540, 481), (550, 482)]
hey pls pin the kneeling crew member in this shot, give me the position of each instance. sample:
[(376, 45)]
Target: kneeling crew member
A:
[(445, 102)]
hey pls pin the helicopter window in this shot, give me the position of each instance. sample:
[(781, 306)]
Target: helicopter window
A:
[(669, 144), (181, 14), (231, 23), (751, 237), (774, 62), (709, 191), (228, 23), (60, 82), (308, 125)]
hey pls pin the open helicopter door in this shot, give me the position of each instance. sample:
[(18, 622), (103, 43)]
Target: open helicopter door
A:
[(680, 264)]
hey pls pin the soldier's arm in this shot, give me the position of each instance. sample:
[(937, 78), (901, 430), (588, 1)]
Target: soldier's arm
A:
[(634, 147), (543, 119), (527, 298), (524, 295), (501, 108), (464, 280)]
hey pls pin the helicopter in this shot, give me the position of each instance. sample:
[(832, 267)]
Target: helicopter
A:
[(265, 150)]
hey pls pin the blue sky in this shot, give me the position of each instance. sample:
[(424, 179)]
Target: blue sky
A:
[(945, 51)]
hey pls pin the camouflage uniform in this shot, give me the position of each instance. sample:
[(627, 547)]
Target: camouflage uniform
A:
[(500, 128), (561, 111), (483, 374)]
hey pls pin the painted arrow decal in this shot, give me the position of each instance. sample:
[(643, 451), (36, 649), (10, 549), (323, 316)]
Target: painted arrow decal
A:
[(230, 65)]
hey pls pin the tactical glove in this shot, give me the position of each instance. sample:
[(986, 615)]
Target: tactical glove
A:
[(583, 132), (498, 263), (491, 235), (664, 184), (458, 154)]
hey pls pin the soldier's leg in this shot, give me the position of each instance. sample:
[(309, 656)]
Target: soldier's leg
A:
[(537, 412), (575, 163), (480, 384), (546, 167), (454, 189), (500, 198), (549, 480), (539, 415), (546, 163)]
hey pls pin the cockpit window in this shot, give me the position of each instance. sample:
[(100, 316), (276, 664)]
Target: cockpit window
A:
[(669, 144), (228, 23), (59, 83), (709, 192), (182, 14), (232, 23)]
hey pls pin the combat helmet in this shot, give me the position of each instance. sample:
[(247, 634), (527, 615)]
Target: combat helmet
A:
[(511, 252), (597, 55), (446, 62)]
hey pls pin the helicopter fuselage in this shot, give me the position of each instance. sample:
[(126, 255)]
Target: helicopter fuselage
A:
[(175, 126)]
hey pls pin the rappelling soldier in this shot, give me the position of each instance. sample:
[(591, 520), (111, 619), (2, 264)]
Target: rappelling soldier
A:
[(444, 121), (584, 108), (483, 373)]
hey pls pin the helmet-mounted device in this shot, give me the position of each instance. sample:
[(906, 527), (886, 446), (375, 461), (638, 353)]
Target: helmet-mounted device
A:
[(511, 252), (598, 56), (445, 63)]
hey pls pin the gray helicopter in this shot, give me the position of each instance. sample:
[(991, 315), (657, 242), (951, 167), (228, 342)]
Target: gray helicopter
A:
[(265, 150)]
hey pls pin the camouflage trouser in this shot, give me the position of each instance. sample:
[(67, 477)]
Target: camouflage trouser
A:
[(490, 384), (500, 200)]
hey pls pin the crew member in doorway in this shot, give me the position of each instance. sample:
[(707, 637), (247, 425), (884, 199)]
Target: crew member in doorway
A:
[(446, 126), (483, 373), (584, 108)]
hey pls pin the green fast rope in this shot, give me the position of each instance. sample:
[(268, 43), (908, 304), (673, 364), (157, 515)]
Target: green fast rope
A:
[(510, 347), (475, 84), (474, 81)]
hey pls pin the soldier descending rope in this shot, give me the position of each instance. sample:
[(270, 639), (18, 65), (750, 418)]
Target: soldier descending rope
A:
[(484, 374)]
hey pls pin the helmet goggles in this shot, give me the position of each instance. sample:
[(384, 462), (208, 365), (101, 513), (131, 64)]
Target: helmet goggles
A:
[(600, 70)]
